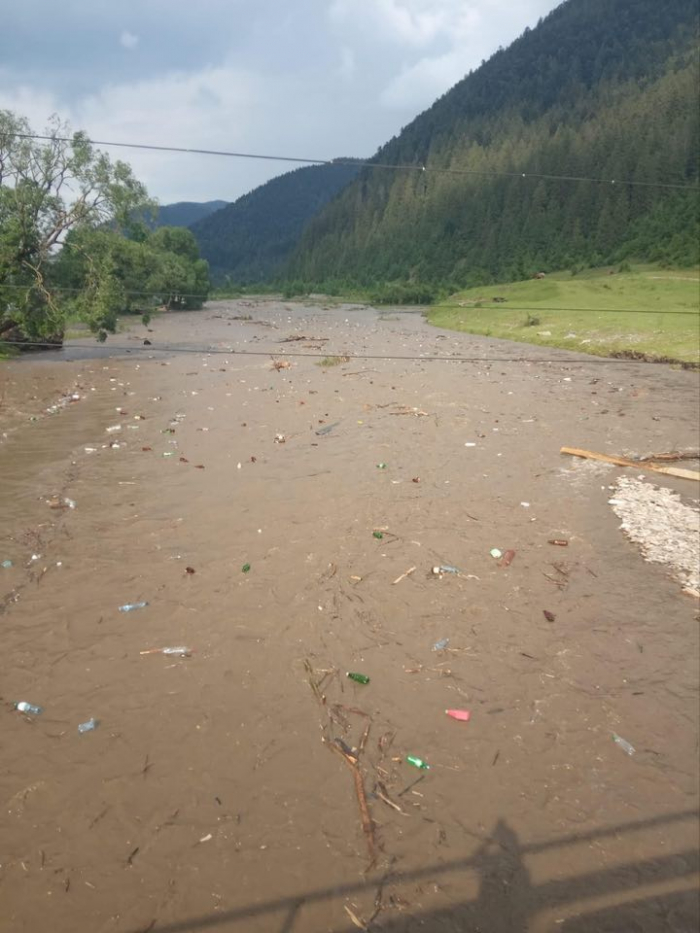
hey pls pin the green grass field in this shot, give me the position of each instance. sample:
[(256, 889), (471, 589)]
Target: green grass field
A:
[(554, 312)]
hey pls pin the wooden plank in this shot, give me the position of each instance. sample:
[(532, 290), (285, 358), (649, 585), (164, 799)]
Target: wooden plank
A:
[(624, 462)]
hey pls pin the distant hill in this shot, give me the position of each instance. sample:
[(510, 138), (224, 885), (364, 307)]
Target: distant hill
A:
[(251, 239), (606, 89), (185, 213)]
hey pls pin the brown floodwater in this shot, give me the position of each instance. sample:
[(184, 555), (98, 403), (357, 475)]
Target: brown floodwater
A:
[(211, 796)]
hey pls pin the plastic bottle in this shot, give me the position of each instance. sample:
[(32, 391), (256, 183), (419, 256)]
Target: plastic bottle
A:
[(358, 678), (88, 726), (462, 714), (129, 607), (25, 707), (417, 762), (623, 743)]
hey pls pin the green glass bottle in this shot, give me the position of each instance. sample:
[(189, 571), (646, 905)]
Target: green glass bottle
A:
[(378, 535), (417, 762), (358, 678)]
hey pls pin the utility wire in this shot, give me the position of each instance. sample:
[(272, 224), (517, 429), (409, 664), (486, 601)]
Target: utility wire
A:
[(496, 306), (500, 307), (364, 163), (327, 354)]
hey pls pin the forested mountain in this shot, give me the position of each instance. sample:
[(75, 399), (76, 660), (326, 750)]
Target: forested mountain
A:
[(600, 88), (184, 213), (251, 239)]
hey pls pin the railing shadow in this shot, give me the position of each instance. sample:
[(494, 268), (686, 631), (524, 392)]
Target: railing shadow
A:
[(507, 899)]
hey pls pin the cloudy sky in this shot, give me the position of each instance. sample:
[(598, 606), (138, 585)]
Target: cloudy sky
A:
[(318, 78)]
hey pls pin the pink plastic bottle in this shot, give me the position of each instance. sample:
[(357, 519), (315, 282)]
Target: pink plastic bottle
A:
[(462, 714)]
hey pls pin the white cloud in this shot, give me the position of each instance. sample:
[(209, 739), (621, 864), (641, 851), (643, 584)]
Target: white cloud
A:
[(408, 22), (419, 85), (441, 40), (347, 66), (266, 79), (129, 40)]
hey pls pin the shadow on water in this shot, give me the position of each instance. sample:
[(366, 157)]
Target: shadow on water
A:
[(507, 898)]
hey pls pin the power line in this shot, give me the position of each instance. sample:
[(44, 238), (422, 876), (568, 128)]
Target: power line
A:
[(328, 354), (501, 307), (365, 163), (497, 306)]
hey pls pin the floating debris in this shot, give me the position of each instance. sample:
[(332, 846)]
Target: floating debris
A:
[(88, 726)]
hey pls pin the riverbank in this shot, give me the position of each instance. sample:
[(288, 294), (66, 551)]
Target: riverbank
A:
[(645, 313)]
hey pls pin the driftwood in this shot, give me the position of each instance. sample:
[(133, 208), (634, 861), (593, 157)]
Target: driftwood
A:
[(624, 462), (671, 456), (367, 822)]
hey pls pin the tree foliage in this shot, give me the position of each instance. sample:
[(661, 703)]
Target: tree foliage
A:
[(70, 245)]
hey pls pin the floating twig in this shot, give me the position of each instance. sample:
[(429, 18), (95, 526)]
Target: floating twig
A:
[(355, 919), (366, 819), (404, 575), (382, 793)]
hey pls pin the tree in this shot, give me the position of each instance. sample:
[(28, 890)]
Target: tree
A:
[(49, 189), (158, 269)]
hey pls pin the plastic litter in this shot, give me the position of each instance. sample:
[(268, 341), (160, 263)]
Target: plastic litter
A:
[(327, 430), (280, 439), (495, 553), (417, 762), (88, 726), (129, 607), (6, 564), (378, 535), (61, 502), (439, 645), (463, 715), (113, 428), (25, 707), (445, 568), (169, 453), (181, 651), (623, 743), (381, 466), (358, 678), (245, 568)]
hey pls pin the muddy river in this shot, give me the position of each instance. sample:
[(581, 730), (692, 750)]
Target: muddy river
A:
[(281, 515)]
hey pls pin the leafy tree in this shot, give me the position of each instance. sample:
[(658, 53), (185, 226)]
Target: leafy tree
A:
[(48, 189), (158, 269)]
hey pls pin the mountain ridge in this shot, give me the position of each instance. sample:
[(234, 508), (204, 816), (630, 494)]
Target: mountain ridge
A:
[(251, 239), (602, 88)]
